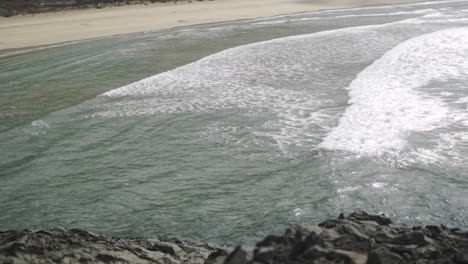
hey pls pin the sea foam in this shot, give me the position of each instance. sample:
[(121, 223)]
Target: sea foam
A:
[(388, 101), (287, 79)]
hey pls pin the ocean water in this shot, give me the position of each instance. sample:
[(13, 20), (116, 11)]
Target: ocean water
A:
[(228, 132)]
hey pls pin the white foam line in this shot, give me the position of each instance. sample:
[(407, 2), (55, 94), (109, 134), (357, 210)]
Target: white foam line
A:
[(424, 11), (385, 105), (270, 22), (146, 85)]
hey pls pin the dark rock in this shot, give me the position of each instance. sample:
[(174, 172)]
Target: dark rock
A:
[(383, 255), (329, 224), (265, 255), (461, 257), (241, 254), (110, 259), (363, 216), (165, 248), (413, 238), (271, 240), (217, 257)]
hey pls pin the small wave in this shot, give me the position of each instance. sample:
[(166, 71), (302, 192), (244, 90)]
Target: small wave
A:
[(275, 22), (308, 19), (423, 11), (36, 128)]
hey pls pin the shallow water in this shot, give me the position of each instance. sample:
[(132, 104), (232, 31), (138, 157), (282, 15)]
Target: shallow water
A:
[(242, 129)]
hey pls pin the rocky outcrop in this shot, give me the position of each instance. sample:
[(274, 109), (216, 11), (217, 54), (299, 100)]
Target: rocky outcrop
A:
[(16, 7), (35, 246), (357, 238)]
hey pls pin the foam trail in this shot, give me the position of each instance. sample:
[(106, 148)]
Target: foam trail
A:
[(386, 105), (190, 75)]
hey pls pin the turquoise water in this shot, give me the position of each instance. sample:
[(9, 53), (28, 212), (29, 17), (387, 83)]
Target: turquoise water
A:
[(228, 132)]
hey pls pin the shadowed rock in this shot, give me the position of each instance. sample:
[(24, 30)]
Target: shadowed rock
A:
[(358, 238)]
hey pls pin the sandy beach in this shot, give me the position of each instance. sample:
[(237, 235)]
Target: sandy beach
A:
[(24, 31)]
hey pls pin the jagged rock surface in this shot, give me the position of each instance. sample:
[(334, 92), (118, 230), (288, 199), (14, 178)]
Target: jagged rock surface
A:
[(59, 245), (358, 238)]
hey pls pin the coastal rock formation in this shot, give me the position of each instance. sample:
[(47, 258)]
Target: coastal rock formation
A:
[(58, 245), (357, 238)]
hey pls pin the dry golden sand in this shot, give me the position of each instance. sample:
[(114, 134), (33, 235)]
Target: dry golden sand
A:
[(45, 29)]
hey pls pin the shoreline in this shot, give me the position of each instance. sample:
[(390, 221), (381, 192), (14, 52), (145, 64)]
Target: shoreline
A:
[(29, 32)]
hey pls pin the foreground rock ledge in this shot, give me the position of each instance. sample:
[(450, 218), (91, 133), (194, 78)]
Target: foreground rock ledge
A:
[(357, 238)]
